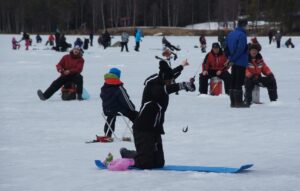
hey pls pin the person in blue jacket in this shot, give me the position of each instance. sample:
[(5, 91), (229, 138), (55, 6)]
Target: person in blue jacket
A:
[(237, 53), (138, 36)]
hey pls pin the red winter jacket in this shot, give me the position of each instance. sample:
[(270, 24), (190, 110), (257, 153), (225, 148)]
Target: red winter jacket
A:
[(214, 62), (257, 66), (51, 38), (72, 63)]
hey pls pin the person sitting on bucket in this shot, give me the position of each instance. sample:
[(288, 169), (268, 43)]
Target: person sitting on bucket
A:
[(253, 75), (69, 67), (214, 64), (115, 99)]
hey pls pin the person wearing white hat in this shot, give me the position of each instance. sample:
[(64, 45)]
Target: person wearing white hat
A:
[(278, 38)]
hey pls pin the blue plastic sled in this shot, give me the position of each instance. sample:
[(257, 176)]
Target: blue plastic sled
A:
[(100, 165)]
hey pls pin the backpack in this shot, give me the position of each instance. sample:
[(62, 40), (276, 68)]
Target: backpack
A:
[(68, 92)]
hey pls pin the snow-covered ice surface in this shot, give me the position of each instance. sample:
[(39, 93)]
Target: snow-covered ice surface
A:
[(42, 143)]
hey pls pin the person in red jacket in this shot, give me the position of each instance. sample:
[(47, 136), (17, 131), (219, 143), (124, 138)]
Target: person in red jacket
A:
[(15, 44), (214, 64), (50, 40), (253, 75), (70, 67)]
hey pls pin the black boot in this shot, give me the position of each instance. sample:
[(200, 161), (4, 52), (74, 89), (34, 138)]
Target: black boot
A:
[(41, 95), (273, 94), (125, 153), (238, 99), (79, 97), (248, 97)]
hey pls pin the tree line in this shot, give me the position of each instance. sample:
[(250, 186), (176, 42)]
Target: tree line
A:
[(92, 15)]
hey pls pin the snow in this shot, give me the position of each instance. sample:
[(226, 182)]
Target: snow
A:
[(42, 143), (208, 26)]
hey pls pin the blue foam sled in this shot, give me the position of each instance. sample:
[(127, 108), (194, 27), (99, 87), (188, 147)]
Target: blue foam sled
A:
[(100, 165)]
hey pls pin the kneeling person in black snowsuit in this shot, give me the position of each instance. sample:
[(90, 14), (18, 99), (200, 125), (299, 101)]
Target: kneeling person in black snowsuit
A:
[(115, 99), (148, 127)]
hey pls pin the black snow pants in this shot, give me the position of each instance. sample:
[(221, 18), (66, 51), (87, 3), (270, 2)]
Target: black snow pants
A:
[(203, 81), (269, 82), (62, 80), (149, 150)]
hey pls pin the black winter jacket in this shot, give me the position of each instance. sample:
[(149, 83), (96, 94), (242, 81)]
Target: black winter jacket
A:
[(154, 103), (115, 99)]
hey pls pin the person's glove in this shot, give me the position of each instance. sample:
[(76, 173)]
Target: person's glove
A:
[(188, 86)]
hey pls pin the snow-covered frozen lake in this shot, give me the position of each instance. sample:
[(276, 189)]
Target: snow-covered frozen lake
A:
[(42, 143)]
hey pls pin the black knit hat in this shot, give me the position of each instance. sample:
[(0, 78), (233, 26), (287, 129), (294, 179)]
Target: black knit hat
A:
[(242, 22), (215, 45), (165, 71)]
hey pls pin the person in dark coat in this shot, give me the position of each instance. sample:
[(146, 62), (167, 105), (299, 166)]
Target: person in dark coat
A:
[(91, 38), (63, 44), (70, 68), (258, 73), (278, 39), (270, 35), (222, 39), (148, 126), (167, 44), (26, 38), (86, 44), (115, 99), (38, 38), (106, 39), (202, 41), (289, 43), (78, 42), (214, 64), (237, 53), (57, 39)]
